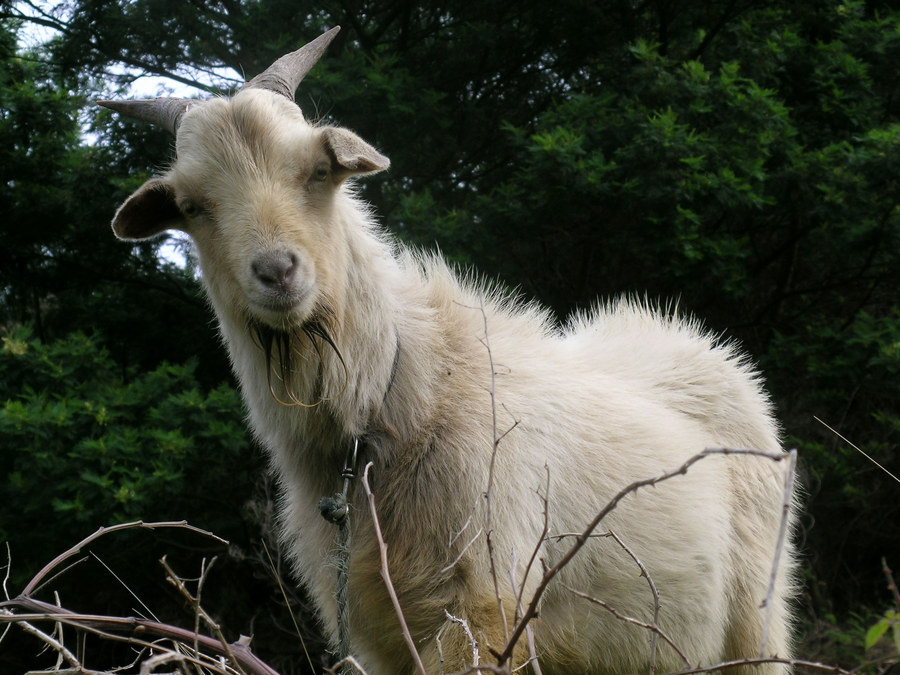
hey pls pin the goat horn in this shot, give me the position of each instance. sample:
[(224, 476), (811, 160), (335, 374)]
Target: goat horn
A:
[(284, 76), (162, 112)]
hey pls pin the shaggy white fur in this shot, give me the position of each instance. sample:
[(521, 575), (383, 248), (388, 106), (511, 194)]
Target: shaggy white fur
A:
[(429, 369)]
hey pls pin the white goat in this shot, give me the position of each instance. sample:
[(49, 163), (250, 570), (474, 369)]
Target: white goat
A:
[(337, 333)]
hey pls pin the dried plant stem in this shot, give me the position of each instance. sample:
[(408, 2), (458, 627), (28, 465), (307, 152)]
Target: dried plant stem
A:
[(108, 627), (657, 632), (49, 640), (75, 550), (580, 540), (131, 630), (468, 632), (529, 631), (653, 627), (488, 493), (779, 548), (792, 663), (855, 447), (386, 575), (346, 661), (540, 543), (199, 612), (891, 584)]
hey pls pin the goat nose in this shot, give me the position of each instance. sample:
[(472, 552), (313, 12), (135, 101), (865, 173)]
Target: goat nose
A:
[(275, 268)]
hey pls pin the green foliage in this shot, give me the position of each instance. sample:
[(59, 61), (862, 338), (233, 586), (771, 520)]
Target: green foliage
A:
[(636, 187), (83, 444), (60, 268), (890, 622)]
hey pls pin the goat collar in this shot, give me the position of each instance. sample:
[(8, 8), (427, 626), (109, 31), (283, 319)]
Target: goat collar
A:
[(335, 509), (393, 365)]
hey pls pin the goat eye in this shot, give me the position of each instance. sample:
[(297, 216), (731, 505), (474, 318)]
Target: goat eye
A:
[(190, 209), (320, 173)]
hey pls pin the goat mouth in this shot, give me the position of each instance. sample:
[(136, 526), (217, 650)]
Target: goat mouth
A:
[(283, 346), (281, 314)]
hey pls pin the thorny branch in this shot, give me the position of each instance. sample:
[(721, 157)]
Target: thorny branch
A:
[(529, 631), (464, 625), (126, 630), (537, 547), (199, 612), (657, 632), (653, 627), (49, 640), (489, 490), (581, 539), (792, 663), (779, 548), (25, 610), (386, 575), (75, 550)]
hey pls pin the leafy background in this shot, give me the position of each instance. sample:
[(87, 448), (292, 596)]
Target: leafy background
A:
[(740, 156)]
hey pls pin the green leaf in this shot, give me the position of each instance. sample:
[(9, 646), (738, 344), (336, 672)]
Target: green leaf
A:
[(876, 632)]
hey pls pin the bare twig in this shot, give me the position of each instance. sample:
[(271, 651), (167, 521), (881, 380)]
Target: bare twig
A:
[(101, 625), (8, 571), (5, 580), (468, 632), (737, 663), (653, 627), (386, 575), (125, 586), (181, 524), (346, 661), (563, 535), (529, 630), (27, 610), (582, 539), (463, 551), (891, 584), (779, 548), (489, 489), (657, 632), (540, 543), (160, 659), (49, 640), (199, 612)]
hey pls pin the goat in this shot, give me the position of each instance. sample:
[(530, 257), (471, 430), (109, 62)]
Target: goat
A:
[(338, 334)]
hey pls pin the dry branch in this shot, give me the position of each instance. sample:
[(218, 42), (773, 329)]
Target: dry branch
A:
[(130, 630), (386, 574), (581, 539), (653, 627), (180, 524), (779, 548), (202, 651)]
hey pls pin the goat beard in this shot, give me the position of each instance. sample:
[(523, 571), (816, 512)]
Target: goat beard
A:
[(279, 345)]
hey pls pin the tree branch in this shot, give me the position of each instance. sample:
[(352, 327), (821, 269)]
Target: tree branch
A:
[(583, 538), (386, 575)]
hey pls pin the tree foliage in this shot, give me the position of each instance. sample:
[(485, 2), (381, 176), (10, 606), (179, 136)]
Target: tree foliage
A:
[(741, 157)]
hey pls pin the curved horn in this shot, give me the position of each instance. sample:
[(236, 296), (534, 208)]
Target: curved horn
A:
[(284, 76), (162, 112)]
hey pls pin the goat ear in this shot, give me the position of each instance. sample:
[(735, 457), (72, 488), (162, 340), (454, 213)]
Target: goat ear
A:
[(149, 211), (351, 154)]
